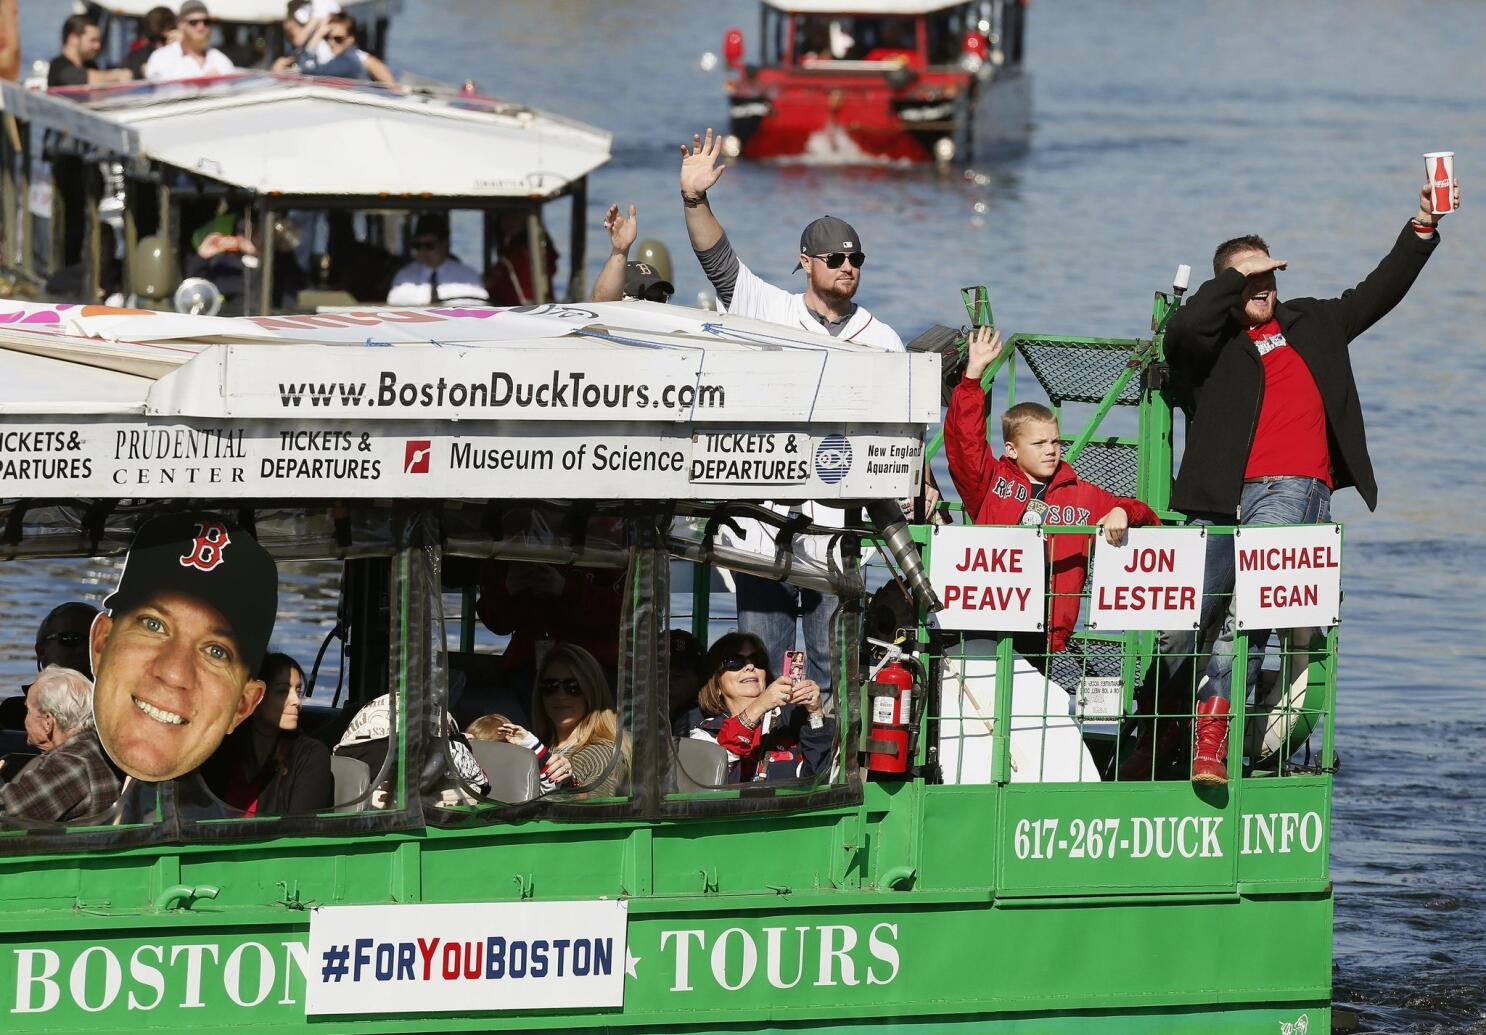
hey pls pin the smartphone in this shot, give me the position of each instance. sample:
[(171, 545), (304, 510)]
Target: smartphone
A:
[(793, 666)]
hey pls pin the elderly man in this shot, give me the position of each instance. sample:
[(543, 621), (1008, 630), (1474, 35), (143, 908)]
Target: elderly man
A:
[(176, 654), (71, 780), (434, 275), (192, 56)]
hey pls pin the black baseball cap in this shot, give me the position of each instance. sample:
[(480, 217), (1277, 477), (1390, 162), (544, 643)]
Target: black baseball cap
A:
[(826, 235), (685, 651), (204, 556), (642, 280)]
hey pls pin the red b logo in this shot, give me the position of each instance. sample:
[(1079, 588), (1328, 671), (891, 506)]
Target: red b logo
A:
[(206, 549)]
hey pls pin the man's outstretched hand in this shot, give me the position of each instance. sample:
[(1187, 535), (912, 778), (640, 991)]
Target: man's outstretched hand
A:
[(699, 165), (622, 231), (1426, 203)]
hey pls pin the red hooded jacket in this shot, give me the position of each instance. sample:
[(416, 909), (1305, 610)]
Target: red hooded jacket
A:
[(995, 492)]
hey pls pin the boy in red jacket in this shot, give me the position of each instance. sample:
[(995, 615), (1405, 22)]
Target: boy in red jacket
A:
[(1030, 485)]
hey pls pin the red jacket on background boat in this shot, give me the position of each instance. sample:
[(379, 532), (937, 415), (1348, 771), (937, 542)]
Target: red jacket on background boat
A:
[(996, 492)]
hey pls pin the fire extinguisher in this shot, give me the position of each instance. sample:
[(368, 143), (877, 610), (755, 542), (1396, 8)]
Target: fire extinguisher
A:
[(892, 715)]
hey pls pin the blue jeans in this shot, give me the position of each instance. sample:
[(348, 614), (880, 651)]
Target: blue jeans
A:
[(1268, 501), (767, 609)]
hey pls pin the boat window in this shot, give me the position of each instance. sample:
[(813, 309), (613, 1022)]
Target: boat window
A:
[(178, 733), (946, 31), (854, 38), (736, 732), (539, 657)]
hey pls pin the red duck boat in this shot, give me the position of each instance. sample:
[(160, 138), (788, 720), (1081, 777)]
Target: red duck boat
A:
[(880, 80)]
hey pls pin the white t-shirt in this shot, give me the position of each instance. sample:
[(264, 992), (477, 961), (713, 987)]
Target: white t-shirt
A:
[(172, 62), (763, 301), (457, 282)]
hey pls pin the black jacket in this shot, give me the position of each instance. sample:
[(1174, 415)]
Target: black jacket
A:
[(294, 781), (1219, 376)]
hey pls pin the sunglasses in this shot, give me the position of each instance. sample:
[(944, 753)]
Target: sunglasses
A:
[(338, 40), (67, 639), (196, 21), (835, 259), (569, 686), (738, 662), (422, 244)]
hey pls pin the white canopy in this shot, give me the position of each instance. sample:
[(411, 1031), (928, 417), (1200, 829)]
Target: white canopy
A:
[(258, 12), (899, 7), (621, 400), (303, 136)]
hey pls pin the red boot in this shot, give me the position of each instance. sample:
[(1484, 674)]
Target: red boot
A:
[(1209, 765)]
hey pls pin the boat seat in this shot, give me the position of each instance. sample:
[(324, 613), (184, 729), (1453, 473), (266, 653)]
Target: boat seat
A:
[(352, 777), (511, 768), (701, 765)]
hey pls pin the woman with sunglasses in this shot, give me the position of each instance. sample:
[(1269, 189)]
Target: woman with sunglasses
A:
[(576, 731), (773, 729)]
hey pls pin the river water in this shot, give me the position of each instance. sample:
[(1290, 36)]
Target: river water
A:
[(1161, 127)]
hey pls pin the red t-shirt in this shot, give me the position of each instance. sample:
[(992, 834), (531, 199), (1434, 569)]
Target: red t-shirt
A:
[(1290, 438)]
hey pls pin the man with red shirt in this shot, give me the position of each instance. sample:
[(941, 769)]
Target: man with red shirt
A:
[(1274, 425)]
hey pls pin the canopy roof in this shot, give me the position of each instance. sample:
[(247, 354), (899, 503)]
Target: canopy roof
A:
[(258, 12), (901, 7), (76, 359), (310, 137), (616, 401)]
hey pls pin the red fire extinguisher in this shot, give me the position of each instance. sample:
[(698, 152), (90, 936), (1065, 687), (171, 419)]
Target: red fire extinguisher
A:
[(890, 717)]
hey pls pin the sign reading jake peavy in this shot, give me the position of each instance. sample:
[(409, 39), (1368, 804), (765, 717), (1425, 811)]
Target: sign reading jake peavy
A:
[(991, 579), (1287, 577), (461, 957)]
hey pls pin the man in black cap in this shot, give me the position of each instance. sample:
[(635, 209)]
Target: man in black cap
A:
[(434, 275), (831, 255), (62, 637), (181, 639), (621, 279)]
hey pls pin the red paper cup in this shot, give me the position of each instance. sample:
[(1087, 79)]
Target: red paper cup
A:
[(1439, 171)]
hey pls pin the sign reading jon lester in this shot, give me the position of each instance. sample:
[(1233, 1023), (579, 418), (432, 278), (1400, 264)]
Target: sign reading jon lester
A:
[(1153, 580), (1287, 577), (463, 957), (990, 579)]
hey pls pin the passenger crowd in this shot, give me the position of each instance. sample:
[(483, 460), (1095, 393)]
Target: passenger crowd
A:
[(185, 682)]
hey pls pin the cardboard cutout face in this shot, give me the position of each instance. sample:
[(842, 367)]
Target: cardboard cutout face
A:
[(171, 684), (175, 655)]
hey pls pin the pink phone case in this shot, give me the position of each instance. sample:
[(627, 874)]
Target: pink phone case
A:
[(793, 665)]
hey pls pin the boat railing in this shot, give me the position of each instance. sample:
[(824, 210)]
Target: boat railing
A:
[(1004, 708)]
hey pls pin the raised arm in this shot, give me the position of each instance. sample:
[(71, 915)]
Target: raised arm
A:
[(972, 465), (609, 287), (1364, 305), (699, 171)]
